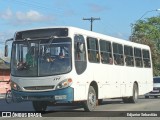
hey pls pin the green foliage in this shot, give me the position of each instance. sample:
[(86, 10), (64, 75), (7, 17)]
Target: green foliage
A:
[(148, 32)]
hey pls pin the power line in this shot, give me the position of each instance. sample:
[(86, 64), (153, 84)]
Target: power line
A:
[(91, 20)]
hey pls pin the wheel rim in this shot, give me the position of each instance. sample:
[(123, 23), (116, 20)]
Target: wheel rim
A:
[(135, 95), (92, 99)]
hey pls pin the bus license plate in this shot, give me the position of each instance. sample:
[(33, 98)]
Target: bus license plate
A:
[(155, 91), (60, 97)]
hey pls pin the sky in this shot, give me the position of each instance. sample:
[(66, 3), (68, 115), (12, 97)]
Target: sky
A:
[(116, 16)]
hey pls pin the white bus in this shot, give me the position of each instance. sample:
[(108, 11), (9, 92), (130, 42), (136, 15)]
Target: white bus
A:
[(72, 65)]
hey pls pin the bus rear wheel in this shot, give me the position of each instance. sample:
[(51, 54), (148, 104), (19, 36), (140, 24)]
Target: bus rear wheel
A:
[(39, 106), (90, 104), (134, 97), (125, 100)]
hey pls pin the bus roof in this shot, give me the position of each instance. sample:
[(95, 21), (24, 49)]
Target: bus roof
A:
[(94, 34), (107, 37)]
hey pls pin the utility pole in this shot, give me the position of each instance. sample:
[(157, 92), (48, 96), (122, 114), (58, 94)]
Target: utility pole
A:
[(91, 20)]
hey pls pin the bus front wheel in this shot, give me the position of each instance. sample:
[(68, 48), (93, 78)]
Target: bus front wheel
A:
[(90, 104), (39, 106)]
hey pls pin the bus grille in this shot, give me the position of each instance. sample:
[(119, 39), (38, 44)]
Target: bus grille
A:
[(39, 88)]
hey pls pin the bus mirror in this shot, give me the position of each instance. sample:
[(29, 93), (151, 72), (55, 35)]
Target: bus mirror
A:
[(6, 51), (6, 47)]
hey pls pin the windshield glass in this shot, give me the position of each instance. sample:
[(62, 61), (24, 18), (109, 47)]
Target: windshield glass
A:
[(156, 80), (41, 57)]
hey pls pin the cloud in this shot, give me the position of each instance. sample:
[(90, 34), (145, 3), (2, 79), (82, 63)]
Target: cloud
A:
[(96, 8), (31, 16), (7, 14), (21, 18)]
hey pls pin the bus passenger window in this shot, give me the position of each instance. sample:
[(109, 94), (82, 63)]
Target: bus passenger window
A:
[(80, 54), (146, 59), (138, 57), (118, 54), (93, 52), (128, 56), (106, 52)]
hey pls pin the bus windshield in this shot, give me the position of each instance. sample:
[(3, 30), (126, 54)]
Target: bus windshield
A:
[(41, 57)]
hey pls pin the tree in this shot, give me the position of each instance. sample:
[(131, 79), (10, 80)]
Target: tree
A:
[(148, 32)]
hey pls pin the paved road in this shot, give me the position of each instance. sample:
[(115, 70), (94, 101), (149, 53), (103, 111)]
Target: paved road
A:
[(107, 106)]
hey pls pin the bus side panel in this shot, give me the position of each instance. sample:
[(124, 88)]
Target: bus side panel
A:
[(110, 81), (142, 76), (146, 81), (81, 83), (119, 81), (129, 77)]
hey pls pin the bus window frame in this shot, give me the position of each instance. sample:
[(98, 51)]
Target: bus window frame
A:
[(120, 60), (149, 58), (132, 63), (88, 38), (78, 62), (109, 53), (137, 57)]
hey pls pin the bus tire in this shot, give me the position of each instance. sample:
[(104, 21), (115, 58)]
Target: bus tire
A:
[(100, 102), (125, 100), (155, 96), (39, 106), (90, 104), (9, 97), (146, 97), (134, 97)]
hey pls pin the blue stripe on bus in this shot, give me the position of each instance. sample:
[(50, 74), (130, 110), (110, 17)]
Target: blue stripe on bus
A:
[(66, 93)]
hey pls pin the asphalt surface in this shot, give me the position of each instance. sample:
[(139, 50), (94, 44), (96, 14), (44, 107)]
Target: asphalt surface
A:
[(110, 109)]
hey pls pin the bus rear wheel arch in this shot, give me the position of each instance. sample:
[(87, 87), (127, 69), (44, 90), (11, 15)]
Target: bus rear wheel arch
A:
[(134, 97)]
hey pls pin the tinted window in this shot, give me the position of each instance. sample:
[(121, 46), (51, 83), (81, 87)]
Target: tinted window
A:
[(106, 52), (146, 59), (156, 80), (128, 56), (118, 54), (42, 33), (138, 57), (80, 54), (93, 52)]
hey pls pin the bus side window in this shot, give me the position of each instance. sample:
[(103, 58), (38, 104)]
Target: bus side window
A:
[(146, 59), (80, 54), (118, 54), (106, 52), (128, 56), (138, 57), (93, 50)]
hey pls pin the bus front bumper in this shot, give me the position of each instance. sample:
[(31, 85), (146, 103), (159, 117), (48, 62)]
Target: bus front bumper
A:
[(61, 95)]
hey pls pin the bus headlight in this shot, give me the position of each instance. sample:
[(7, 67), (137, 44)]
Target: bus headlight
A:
[(14, 86), (65, 83)]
